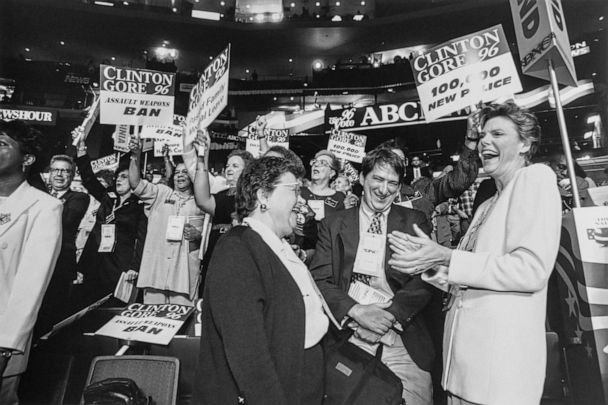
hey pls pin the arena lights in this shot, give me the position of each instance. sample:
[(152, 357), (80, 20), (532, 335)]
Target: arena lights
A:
[(358, 17), (104, 3), (336, 18), (317, 65)]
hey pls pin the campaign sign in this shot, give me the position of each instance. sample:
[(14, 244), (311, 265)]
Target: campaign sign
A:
[(540, 28), (464, 71), (109, 162), (176, 146), (210, 95), (166, 135), (274, 137), (136, 96), (592, 230), (151, 323), (121, 138), (346, 145)]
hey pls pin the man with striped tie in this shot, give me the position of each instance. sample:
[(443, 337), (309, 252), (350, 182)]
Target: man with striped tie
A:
[(381, 305)]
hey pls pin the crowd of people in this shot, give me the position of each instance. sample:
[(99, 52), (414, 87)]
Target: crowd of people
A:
[(285, 264)]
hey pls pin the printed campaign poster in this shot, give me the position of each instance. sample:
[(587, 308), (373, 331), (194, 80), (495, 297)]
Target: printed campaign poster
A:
[(170, 135), (121, 138), (592, 230), (109, 162), (464, 71), (347, 146), (136, 96), (151, 323), (274, 137), (210, 95)]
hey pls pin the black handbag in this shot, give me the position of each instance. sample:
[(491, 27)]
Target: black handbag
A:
[(356, 377), (115, 391)]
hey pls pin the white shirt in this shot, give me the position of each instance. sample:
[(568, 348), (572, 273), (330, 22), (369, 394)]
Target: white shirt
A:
[(315, 319), (365, 220)]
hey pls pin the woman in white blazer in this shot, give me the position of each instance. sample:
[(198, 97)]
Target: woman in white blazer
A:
[(30, 239), (494, 341)]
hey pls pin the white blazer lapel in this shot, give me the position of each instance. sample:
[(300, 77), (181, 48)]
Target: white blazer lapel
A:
[(15, 205)]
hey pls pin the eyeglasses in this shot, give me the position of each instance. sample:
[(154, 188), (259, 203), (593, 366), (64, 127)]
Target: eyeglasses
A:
[(320, 162), (296, 189), (60, 171)]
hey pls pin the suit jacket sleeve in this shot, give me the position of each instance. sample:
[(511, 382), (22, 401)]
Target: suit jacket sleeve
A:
[(89, 180), (74, 210), (532, 226), (236, 300), (413, 294), (33, 274), (458, 180), (322, 269)]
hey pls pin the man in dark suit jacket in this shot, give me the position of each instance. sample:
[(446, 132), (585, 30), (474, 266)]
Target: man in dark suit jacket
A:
[(56, 305), (415, 170), (352, 257)]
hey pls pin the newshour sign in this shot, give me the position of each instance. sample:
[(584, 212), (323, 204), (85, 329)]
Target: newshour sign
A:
[(541, 34), (464, 71), (136, 96), (31, 115)]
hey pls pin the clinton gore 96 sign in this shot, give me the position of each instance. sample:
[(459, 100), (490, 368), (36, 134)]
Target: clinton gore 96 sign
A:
[(464, 71), (136, 96)]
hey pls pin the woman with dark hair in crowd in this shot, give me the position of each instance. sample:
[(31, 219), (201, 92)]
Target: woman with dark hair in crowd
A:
[(170, 265), (30, 240), (117, 239), (263, 317), (221, 205), (494, 341)]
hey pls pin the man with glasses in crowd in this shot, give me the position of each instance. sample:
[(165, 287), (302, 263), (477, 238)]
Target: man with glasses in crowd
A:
[(56, 304)]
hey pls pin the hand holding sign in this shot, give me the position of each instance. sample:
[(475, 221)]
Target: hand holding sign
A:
[(135, 144), (260, 126)]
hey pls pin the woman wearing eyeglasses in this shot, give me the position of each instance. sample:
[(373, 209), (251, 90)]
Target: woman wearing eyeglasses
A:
[(263, 316), (320, 197)]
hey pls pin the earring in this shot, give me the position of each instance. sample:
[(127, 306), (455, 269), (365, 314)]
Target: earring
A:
[(263, 207)]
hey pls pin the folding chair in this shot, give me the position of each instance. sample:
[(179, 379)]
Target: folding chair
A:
[(156, 376)]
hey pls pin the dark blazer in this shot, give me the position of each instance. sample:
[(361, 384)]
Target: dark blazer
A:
[(332, 268), (409, 173), (102, 270), (253, 322), (75, 205)]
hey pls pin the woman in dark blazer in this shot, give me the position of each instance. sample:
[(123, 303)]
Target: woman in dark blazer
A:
[(120, 209), (263, 317)]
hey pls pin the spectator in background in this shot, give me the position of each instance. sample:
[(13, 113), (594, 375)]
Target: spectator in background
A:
[(57, 303), (170, 267), (30, 240), (416, 169), (117, 239), (342, 183)]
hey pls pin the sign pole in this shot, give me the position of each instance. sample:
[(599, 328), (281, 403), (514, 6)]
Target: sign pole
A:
[(564, 134)]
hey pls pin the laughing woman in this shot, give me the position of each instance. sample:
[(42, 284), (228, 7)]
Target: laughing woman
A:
[(170, 267), (494, 342), (263, 317)]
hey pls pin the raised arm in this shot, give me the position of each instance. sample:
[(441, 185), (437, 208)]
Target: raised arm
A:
[(89, 180), (134, 172), (202, 189)]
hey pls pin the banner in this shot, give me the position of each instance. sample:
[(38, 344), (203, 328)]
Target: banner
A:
[(151, 323), (109, 162), (374, 116), (464, 71), (347, 146), (210, 95), (592, 230), (136, 96), (31, 115), (541, 34)]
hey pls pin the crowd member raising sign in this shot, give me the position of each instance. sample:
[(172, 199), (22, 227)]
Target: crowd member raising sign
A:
[(169, 271)]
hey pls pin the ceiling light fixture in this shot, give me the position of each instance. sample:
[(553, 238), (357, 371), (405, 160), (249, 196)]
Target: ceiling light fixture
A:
[(601, 18), (27, 49), (125, 3), (293, 5), (336, 18), (358, 17), (290, 60), (61, 43), (222, 3), (175, 9), (104, 3), (363, 3), (337, 4)]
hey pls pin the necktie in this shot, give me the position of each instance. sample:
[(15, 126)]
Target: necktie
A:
[(375, 227), (55, 194)]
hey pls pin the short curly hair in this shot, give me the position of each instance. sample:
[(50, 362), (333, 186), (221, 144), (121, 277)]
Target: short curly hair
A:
[(525, 121), (289, 155), (261, 174), (30, 141), (246, 156)]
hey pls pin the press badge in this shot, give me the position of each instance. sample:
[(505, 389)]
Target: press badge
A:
[(370, 254), (318, 206), (108, 238), (175, 228)]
